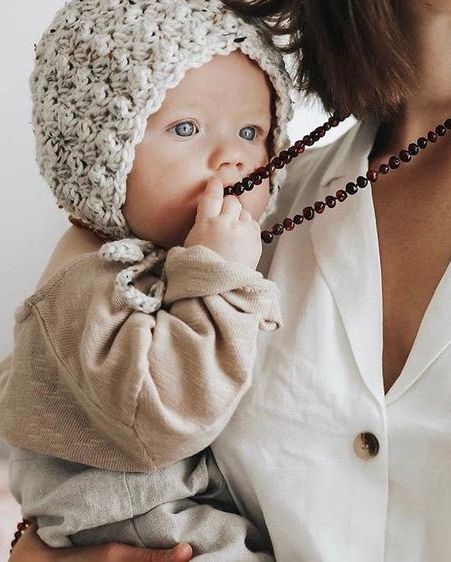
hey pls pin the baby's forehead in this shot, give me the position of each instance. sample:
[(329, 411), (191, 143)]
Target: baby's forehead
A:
[(224, 82)]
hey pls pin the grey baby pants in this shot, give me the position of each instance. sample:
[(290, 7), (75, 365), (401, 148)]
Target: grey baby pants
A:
[(189, 501)]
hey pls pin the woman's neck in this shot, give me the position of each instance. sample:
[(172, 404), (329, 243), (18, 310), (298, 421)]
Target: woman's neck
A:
[(427, 26)]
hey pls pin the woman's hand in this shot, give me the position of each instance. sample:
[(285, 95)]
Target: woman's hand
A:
[(30, 548)]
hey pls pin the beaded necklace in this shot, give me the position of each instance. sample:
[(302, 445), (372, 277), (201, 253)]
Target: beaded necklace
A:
[(286, 156), (351, 188)]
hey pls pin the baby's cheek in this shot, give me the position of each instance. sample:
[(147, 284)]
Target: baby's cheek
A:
[(255, 201)]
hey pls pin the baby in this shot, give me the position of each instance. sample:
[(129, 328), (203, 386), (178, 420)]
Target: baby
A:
[(122, 377)]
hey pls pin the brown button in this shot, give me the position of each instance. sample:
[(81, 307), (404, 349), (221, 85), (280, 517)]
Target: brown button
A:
[(366, 445)]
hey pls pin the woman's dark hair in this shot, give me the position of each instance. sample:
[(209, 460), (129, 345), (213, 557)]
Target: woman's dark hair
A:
[(351, 53)]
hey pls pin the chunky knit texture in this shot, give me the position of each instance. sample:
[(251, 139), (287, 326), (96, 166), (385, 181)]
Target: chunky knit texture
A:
[(103, 67), (146, 258)]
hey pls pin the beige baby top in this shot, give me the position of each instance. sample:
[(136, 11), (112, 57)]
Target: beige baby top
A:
[(93, 381)]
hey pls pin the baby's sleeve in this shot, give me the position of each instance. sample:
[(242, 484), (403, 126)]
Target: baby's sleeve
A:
[(172, 380), (203, 350)]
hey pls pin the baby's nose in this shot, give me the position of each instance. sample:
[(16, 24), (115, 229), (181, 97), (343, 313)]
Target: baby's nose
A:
[(227, 158)]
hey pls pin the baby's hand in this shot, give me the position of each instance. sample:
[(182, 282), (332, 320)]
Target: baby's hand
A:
[(225, 227)]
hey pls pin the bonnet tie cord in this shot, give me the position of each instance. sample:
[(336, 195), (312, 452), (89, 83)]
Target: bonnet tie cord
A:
[(146, 258)]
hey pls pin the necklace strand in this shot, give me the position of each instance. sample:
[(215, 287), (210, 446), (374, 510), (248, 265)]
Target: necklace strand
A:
[(286, 156), (21, 528), (351, 188)]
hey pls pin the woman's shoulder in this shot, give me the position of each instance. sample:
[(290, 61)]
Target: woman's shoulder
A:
[(74, 244)]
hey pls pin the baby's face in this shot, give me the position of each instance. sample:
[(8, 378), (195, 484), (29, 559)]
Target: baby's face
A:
[(216, 122)]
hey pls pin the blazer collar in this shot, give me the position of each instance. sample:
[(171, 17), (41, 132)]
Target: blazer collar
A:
[(346, 248)]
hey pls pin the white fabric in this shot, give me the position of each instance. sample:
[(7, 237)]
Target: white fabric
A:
[(288, 452)]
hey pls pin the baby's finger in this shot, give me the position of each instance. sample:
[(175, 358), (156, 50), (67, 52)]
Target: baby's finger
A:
[(210, 204), (245, 215), (231, 207)]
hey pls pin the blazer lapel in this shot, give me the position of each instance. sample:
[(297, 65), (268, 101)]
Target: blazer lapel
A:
[(346, 248)]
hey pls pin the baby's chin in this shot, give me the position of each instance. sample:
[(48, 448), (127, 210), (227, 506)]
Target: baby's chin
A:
[(170, 240)]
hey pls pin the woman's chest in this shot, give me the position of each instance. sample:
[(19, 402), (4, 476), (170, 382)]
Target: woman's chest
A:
[(414, 235)]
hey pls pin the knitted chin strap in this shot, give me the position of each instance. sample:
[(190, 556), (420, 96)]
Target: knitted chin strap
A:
[(147, 258)]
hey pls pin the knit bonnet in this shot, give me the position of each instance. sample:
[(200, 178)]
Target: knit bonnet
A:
[(103, 67)]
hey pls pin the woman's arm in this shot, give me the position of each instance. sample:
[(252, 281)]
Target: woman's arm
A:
[(31, 549)]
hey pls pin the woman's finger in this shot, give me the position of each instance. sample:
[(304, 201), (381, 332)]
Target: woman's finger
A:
[(210, 204), (116, 552), (30, 548), (231, 207)]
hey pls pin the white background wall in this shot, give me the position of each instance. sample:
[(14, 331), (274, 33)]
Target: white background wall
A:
[(30, 222)]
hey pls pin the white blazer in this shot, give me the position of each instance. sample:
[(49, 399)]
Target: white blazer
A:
[(292, 454)]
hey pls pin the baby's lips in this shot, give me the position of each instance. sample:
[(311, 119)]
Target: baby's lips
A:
[(228, 179)]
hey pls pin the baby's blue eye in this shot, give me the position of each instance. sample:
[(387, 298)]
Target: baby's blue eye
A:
[(186, 129), (248, 133)]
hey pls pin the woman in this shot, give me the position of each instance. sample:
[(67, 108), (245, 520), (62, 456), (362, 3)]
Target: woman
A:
[(340, 447)]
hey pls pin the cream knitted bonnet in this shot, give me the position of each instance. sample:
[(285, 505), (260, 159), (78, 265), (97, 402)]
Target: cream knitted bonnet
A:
[(103, 67)]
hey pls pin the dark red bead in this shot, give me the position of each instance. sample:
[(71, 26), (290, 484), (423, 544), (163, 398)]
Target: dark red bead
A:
[(440, 130), (331, 201), (422, 142), (315, 136), (247, 183), (277, 162), (238, 189), (384, 169), (17, 535), (362, 182), (326, 126), (257, 179), (288, 224), (351, 188), (308, 141), (333, 122), (319, 207), (267, 236), (22, 526), (293, 151), (405, 156), (309, 213), (432, 137), (299, 145), (262, 172), (394, 162), (228, 190), (285, 156), (372, 175), (277, 229), (413, 149), (341, 195), (321, 131), (447, 123), (298, 219)]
